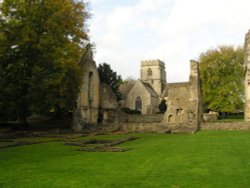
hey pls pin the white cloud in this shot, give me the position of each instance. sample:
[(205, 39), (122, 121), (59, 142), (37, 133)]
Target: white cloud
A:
[(174, 31)]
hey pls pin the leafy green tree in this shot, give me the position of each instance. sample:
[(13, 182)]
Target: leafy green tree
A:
[(40, 46), (222, 76), (110, 77)]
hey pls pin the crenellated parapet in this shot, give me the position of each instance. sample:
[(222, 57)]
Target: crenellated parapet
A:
[(155, 62)]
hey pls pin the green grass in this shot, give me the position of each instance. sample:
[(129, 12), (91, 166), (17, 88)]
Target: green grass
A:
[(205, 159), (230, 120)]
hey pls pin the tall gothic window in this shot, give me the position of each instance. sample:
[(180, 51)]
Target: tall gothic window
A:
[(150, 73), (90, 87), (138, 103)]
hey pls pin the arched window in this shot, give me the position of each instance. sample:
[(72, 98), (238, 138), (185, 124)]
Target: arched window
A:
[(90, 87), (138, 103), (150, 73)]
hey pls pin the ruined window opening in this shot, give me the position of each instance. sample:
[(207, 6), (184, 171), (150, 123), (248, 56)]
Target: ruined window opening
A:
[(90, 87), (179, 111), (170, 119), (138, 103), (150, 73)]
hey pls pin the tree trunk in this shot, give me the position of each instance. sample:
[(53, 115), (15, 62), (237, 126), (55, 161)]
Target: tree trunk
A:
[(22, 120), (78, 123), (58, 111)]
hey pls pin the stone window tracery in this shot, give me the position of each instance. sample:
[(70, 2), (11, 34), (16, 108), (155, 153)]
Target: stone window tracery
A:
[(138, 103)]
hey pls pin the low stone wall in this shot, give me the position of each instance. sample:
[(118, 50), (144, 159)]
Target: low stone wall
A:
[(152, 118), (226, 126), (161, 127), (144, 127), (210, 117)]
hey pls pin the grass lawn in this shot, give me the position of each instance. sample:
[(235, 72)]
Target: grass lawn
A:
[(205, 159)]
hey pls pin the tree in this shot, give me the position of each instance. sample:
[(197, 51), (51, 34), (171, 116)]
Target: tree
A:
[(222, 76), (110, 77), (127, 85), (40, 46)]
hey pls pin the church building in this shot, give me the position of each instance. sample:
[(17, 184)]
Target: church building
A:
[(145, 95)]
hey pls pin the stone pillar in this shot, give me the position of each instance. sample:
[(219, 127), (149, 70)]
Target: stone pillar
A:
[(247, 76), (195, 95)]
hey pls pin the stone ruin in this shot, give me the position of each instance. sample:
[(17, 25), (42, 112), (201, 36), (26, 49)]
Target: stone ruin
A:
[(184, 113), (184, 101), (247, 76), (97, 104)]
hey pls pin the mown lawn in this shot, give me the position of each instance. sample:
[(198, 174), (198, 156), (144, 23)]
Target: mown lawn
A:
[(205, 159)]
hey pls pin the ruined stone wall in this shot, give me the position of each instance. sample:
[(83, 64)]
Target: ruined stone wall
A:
[(155, 101), (210, 117), (89, 93), (86, 109), (108, 105), (143, 127), (107, 97), (163, 128), (238, 126), (184, 113), (151, 118), (247, 76)]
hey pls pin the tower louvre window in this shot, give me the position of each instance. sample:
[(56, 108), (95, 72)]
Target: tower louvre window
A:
[(150, 73)]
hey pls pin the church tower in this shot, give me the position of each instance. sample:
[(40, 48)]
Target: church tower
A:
[(153, 72), (247, 76)]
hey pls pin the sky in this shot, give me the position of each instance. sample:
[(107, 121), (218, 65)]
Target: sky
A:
[(126, 32)]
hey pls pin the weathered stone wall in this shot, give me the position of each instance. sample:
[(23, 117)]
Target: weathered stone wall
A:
[(247, 76), (107, 98), (86, 110), (151, 118), (177, 102), (184, 113), (210, 117), (245, 126), (89, 93), (144, 127), (155, 101), (108, 105), (163, 128)]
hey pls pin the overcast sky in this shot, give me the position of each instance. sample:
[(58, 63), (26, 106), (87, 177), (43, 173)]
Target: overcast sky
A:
[(174, 31)]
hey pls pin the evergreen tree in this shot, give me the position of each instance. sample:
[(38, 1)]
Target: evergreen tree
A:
[(110, 77)]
